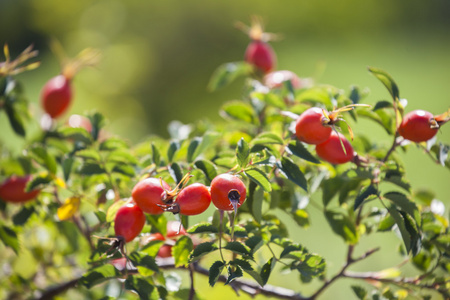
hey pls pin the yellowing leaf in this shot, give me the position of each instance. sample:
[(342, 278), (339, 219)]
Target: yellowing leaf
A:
[(69, 208), (60, 182)]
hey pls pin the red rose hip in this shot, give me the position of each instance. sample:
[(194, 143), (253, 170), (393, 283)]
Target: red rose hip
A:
[(418, 126), (260, 55), (331, 150), (311, 127), (129, 221), (148, 194), (13, 189), (56, 96), (226, 189)]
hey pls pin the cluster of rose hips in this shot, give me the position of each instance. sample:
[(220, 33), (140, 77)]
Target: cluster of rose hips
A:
[(316, 126), (154, 196)]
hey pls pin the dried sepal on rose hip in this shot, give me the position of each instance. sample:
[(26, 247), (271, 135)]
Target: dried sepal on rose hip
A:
[(191, 200), (314, 125), (228, 192), (420, 125), (259, 53)]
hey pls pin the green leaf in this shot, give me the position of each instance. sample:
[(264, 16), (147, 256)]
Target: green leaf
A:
[(23, 215), (88, 154), (152, 247), (122, 156), (360, 292), (181, 251), (173, 148), (193, 145), (242, 153), (254, 243), (387, 80), (67, 164), (365, 193), (126, 170), (99, 275), (293, 251), (91, 169), (382, 104), (301, 217), (401, 226), (158, 222), (207, 167), (397, 178), (214, 272), (310, 267), (142, 259), (15, 119), (292, 172), (238, 248), (9, 238), (41, 155), (404, 204), (233, 274), (267, 138), (175, 172), (77, 134), (208, 139), (330, 188), (97, 122), (266, 270), (255, 201), (156, 157), (315, 95), (240, 111), (298, 149), (113, 143), (259, 177), (201, 250), (227, 73), (386, 224), (38, 181), (342, 225), (142, 287), (203, 227)]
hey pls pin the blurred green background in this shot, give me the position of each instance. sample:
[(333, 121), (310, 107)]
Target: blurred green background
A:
[(159, 55)]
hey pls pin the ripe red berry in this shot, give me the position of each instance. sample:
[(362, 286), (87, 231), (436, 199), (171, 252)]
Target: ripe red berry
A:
[(260, 55), (277, 78), (418, 126), (311, 127), (192, 200), (56, 96), (129, 221), (173, 230), (332, 152), (148, 193), (226, 188), (13, 189)]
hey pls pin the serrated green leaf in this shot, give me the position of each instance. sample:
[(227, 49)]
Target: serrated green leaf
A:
[(242, 153), (227, 73), (397, 178), (310, 267), (259, 177), (203, 227), (152, 247), (156, 157), (20, 218), (406, 205), (292, 172), (266, 270), (142, 259), (233, 274), (207, 167), (255, 201), (158, 222), (342, 225), (9, 238), (99, 275), (202, 250), (365, 193), (240, 111), (393, 211), (293, 251), (142, 287), (238, 248), (266, 138), (386, 223), (214, 272), (181, 251), (41, 155), (298, 149), (387, 80), (254, 243)]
